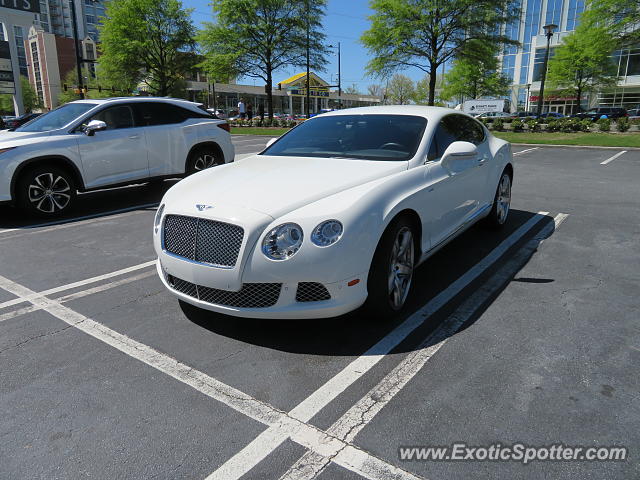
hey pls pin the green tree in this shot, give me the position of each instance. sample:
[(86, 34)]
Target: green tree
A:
[(427, 33), (618, 17), (96, 88), (256, 38), (30, 98), (401, 89), (474, 73), (146, 41), (582, 62)]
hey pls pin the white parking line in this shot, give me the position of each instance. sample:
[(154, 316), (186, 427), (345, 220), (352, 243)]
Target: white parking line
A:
[(609, 160), (306, 435), (84, 220), (361, 414), (525, 151), (80, 283), (80, 294), (267, 442)]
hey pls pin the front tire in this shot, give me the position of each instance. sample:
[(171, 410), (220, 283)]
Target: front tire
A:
[(501, 203), (202, 158), (46, 191), (391, 273)]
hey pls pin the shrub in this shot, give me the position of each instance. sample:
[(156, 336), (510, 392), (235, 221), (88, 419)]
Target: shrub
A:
[(533, 125), (553, 126), (585, 125), (256, 121), (622, 125), (635, 121), (267, 122), (498, 125), (485, 122), (291, 123), (604, 125), (517, 125)]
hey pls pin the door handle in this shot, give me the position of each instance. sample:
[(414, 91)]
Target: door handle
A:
[(133, 137), (481, 161)]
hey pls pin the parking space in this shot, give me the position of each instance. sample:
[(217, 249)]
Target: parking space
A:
[(526, 336)]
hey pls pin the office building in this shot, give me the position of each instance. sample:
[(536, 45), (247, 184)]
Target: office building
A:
[(523, 64)]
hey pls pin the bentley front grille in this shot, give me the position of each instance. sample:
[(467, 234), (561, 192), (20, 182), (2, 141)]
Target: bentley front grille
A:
[(312, 292), (252, 295), (201, 240)]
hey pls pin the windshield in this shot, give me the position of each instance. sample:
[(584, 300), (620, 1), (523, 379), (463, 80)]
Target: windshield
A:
[(367, 137), (57, 118)]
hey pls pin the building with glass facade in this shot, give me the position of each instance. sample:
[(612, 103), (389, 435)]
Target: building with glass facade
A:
[(523, 64)]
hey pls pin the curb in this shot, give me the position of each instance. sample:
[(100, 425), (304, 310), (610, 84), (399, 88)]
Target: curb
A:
[(573, 146)]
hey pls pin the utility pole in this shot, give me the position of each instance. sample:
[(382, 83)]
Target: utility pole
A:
[(77, 43), (308, 103), (339, 80)]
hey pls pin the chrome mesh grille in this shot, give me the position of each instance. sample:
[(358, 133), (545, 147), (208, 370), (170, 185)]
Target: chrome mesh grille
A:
[(202, 240), (312, 292), (252, 295)]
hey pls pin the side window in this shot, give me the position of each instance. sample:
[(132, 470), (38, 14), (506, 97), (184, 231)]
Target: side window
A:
[(120, 116), (444, 136), (470, 130), (157, 113)]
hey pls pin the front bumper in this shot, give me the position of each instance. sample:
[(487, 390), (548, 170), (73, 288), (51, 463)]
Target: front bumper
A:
[(344, 298)]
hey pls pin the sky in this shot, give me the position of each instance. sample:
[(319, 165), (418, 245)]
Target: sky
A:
[(344, 22)]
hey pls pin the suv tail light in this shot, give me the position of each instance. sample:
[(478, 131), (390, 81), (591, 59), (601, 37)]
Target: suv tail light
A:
[(225, 127)]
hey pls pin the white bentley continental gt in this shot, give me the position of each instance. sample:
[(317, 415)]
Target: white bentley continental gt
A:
[(334, 215)]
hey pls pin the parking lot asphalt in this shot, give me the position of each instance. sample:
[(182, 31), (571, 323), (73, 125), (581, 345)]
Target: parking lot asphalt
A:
[(529, 335)]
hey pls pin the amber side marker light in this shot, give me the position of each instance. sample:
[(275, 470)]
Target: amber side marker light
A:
[(353, 282), (225, 126)]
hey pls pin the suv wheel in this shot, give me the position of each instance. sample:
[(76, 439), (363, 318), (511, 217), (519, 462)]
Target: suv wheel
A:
[(46, 191), (501, 203), (202, 158)]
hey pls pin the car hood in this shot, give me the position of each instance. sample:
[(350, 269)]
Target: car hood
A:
[(10, 139), (278, 185)]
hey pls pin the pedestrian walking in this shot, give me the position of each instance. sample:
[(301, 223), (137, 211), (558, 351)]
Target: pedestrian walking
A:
[(261, 111), (242, 109), (249, 111)]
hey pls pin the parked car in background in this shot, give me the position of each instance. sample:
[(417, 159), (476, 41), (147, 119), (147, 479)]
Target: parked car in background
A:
[(522, 115), (609, 112), (219, 113), (491, 116), (16, 122), (357, 199), (550, 115), (2, 125), (634, 113), (92, 144)]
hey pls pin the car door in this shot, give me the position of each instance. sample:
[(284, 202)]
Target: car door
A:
[(117, 154), (168, 136), (456, 192)]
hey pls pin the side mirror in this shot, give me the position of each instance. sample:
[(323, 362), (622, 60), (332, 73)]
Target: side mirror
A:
[(270, 142), (93, 127), (457, 156)]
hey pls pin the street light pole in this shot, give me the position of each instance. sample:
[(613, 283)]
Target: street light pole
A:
[(548, 32), (77, 43), (308, 102), (526, 103), (339, 76)]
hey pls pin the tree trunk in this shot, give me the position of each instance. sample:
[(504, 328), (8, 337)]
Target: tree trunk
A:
[(579, 98), (432, 84), (270, 93)]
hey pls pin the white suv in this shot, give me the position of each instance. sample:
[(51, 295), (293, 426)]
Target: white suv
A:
[(92, 144)]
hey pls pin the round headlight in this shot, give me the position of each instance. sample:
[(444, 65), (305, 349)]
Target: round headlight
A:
[(282, 242), (158, 218), (327, 233)]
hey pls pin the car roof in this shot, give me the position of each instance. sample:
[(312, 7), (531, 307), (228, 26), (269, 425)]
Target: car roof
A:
[(431, 113), (101, 101)]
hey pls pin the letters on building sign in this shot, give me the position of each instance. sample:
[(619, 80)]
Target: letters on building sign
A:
[(24, 5)]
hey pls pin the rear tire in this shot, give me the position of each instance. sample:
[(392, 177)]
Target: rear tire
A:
[(46, 191), (391, 272), (202, 158), (501, 203)]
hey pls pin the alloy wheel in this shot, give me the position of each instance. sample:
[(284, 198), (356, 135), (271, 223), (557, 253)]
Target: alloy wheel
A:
[(49, 192), (401, 268), (204, 161), (504, 199)]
